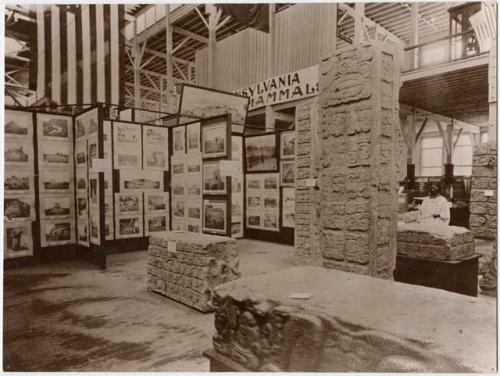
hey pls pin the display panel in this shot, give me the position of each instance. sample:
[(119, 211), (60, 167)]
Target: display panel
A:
[(215, 141), (215, 216), (262, 201), (260, 153)]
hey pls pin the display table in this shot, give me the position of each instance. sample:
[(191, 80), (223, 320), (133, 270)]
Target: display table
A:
[(460, 276), (312, 319), (187, 266)]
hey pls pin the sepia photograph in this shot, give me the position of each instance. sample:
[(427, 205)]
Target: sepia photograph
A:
[(18, 125), (260, 153), (214, 138), (19, 208), (213, 182), (54, 128), (304, 187), (287, 145), (287, 173), (17, 240), (215, 216), (201, 102), (193, 137), (179, 140), (56, 206)]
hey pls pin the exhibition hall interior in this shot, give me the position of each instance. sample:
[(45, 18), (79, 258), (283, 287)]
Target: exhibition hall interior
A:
[(250, 187)]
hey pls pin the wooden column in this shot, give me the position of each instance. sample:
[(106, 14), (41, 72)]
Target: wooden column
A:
[(169, 61), (212, 40), (492, 92), (414, 62), (271, 58), (359, 10), (136, 53)]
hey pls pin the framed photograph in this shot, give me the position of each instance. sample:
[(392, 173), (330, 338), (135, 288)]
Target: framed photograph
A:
[(95, 224), (215, 216), (287, 145), (203, 103), (236, 184), (288, 173), (83, 232), (80, 128), (193, 187), (193, 137), (194, 209), (93, 124), (86, 123), (56, 154), (19, 181), (108, 204), (271, 181), (178, 208), (178, 168), (254, 220), (56, 206), (126, 133), (141, 180), (18, 125), (18, 241), (155, 159), (155, 136), (271, 202), (20, 208), (156, 223), (56, 181), (109, 229), (82, 207), (57, 232), (92, 153), (214, 138), (193, 227), (236, 210), (156, 202), (17, 153), (237, 148), (128, 203), (194, 167), (125, 160), (271, 222), (179, 140), (94, 190), (81, 178), (213, 182), (254, 182), (128, 227), (178, 188), (261, 153), (81, 154), (254, 201), (54, 128)]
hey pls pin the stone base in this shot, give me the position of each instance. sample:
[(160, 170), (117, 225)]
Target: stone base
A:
[(350, 323), (455, 276), (189, 271)]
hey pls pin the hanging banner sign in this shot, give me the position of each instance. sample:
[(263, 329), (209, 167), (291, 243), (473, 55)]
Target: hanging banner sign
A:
[(284, 88)]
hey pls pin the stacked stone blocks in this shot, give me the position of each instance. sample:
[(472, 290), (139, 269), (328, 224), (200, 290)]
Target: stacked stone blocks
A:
[(483, 208), (435, 242), (189, 273), (360, 136)]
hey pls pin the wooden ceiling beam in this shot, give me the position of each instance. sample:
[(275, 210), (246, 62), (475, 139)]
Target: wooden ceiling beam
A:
[(190, 34)]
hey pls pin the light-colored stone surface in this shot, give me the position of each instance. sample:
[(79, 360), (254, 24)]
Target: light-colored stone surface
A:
[(435, 241), (190, 272), (357, 323), (361, 151), (483, 209)]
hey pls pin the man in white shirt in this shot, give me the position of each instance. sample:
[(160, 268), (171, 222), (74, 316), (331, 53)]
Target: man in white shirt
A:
[(435, 209)]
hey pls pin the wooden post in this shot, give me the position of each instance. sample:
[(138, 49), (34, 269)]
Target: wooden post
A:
[(168, 61), (359, 11), (414, 62), (449, 141), (212, 40), (492, 92), (137, 74), (270, 119)]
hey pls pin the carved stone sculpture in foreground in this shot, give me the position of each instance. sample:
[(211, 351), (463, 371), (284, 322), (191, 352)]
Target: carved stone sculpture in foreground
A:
[(435, 241), (350, 323), (191, 267), (488, 283)]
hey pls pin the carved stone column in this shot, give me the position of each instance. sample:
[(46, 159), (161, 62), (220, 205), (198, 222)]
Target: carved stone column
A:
[(360, 146)]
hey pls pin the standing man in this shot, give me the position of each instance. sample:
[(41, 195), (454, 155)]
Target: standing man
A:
[(435, 208)]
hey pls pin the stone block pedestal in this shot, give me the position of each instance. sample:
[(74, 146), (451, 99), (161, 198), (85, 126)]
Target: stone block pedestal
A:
[(350, 323), (186, 266)]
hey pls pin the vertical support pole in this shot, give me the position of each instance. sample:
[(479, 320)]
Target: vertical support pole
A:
[(492, 92), (333, 43), (168, 60), (270, 118), (161, 94), (449, 140), (359, 11), (411, 121), (212, 40), (414, 55), (137, 73)]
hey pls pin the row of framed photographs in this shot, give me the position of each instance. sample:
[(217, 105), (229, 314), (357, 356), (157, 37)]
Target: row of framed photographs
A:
[(261, 153)]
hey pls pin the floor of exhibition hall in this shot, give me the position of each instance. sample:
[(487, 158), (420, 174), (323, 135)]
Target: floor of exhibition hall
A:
[(71, 317)]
